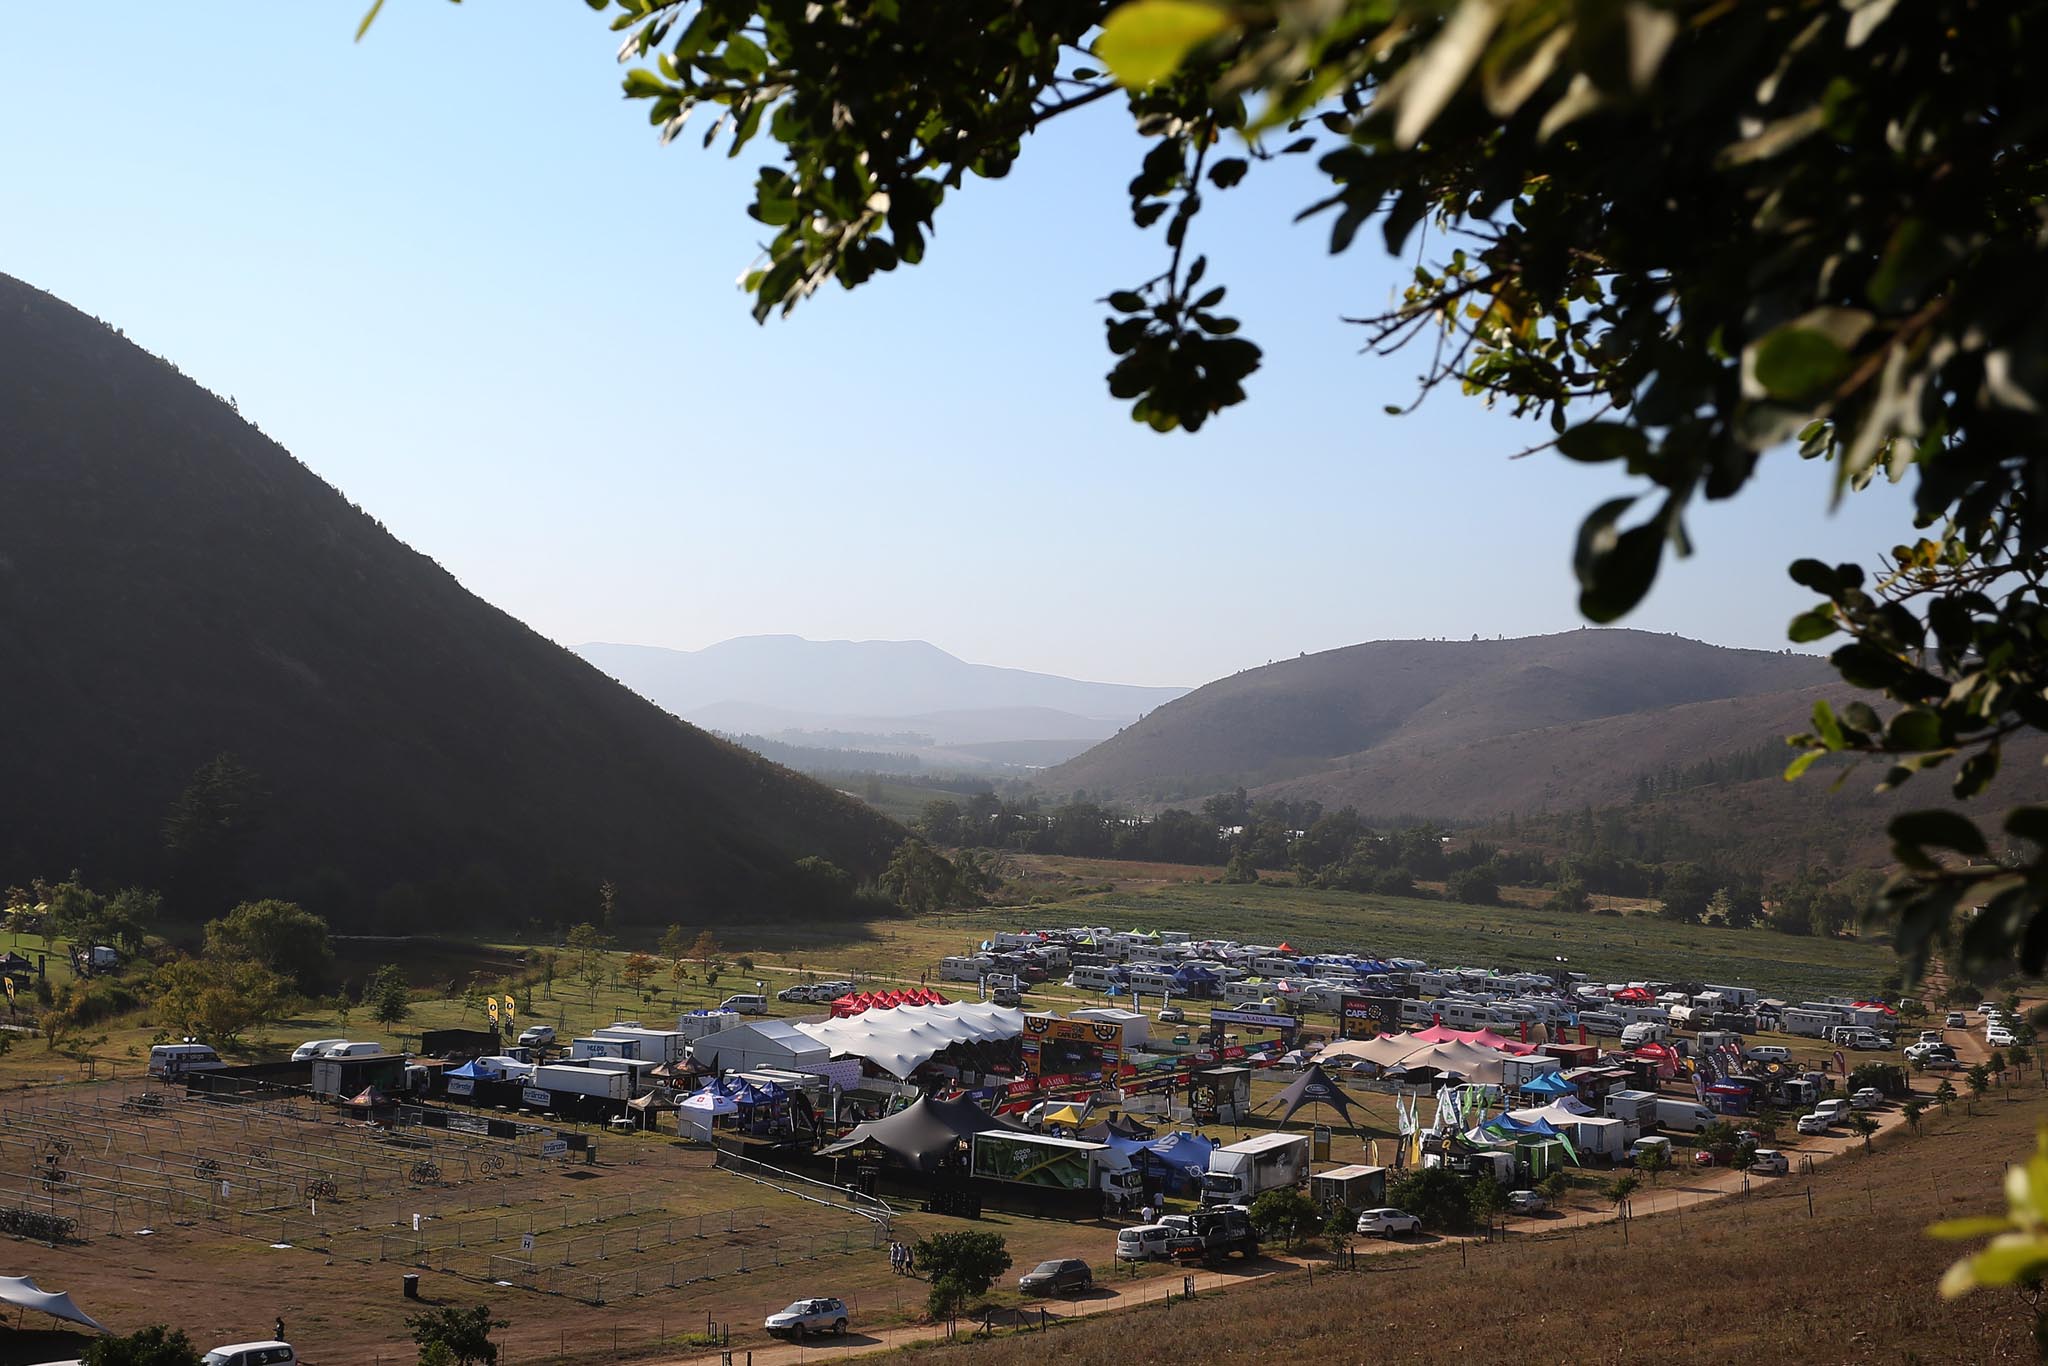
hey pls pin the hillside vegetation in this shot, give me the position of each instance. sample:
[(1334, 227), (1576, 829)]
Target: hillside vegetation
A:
[(175, 587), (1323, 719)]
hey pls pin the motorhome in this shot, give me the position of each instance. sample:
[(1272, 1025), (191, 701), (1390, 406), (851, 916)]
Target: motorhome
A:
[(965, 969), (1095, 978), (1604, 1022), (175, 1059)]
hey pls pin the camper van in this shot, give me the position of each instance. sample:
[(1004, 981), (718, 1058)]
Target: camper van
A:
[(1642, 1032), (1093, 978), (1602, 1022), (175, 1059), (965, 969)]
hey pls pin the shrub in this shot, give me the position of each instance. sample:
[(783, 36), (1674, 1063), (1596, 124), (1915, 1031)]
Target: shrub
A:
[(1435, 1195)]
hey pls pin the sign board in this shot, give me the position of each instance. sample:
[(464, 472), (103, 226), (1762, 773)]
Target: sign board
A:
[(1077, 1047), (1257, 1019), (415, 1223), (469, 1124), (1361, 1017), (526, 1242), (536, 1097), (555, 1147), (461, 1086)]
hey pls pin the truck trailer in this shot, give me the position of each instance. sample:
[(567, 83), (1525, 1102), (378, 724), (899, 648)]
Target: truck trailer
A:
[(1243, 1171), (1065, 1164)]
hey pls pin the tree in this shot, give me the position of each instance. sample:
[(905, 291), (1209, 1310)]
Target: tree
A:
[(218, 999), (1478, 886), (1489, 1202), (1686, 894), (1945, 1095), (587, 945), (155, 1345), (1862, 305), (1864, 1126), (1654, 1161), (639, 967), (1913, 1109), (207, 833), (2020, 1056), (389, 996), (1435, 1195), (1340, 1225), (464, 1333), (1978, 1079), (961, 1265), (1242, 867), (1554, 1186), (940, 822), (919, 877), (1621, 1190), (1284, 1213), (291, 942)]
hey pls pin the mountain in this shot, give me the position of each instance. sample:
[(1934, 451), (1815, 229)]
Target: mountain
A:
[(857, 678), (174, 586), (1422, 727)]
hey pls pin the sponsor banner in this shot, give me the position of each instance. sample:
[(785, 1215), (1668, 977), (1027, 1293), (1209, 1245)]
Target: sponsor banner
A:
[(555, 1147), (461, 1086), (1257, 1019), (1364, 1016), (536, 1097)]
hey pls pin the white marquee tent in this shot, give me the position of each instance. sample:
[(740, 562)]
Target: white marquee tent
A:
[(901, 1040), (23, 1292)]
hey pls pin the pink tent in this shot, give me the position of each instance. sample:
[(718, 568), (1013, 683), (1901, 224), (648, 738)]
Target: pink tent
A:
[(1482, 1038)]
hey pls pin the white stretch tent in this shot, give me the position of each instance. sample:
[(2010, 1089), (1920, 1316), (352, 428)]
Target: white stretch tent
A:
[(22, 1292), (901, 1040)]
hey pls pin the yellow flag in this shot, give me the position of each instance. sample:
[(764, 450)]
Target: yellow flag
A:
[(511, 1009), (10, 989), (493, 1002)]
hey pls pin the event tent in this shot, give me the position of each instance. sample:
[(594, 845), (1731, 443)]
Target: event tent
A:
[(901, 1040), (1547, 1084), (1480, 1038), (1387, 1050), (760, 1043), (1312, 1087), (24, 1293), (922, 1134), (853, 1003), (696, 1113)]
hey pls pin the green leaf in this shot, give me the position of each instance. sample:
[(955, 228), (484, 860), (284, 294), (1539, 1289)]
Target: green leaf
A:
[(368, 19), (1914, 730), (1829, 728), (1228, 172), (1803, 762), (1811, 626), (1941, 829), (1594, 442), (1145, 41), (1126, 301), (643, 84), (1797, 362)]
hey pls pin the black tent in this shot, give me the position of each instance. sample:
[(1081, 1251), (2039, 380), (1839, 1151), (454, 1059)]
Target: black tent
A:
[(1123, 1126), (1313, 1087), (924, 1133)]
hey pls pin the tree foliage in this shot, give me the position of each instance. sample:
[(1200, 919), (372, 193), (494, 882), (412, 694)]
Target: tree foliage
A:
[(465, 1334), (281, 936), (151, 1346), (218, 999), (1285, 1213), (389, 996), (960, 1265), (1680, 235), (1435, 1195)]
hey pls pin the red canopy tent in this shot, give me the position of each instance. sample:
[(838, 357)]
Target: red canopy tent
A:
[(855, 1003)]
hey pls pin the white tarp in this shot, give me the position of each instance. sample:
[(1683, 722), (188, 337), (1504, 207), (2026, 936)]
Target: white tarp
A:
[(902, 1040), (22, 1291)]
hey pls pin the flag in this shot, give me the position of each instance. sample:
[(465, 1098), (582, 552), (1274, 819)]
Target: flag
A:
[(511, 1009), (10, 989), (1841, 1063), (492, 1002)]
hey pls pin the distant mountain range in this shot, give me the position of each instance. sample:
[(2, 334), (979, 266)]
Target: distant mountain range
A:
[(901, 696), (1457, 729), (174, 587)]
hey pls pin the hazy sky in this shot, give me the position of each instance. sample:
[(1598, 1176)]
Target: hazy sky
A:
[(453, 272)]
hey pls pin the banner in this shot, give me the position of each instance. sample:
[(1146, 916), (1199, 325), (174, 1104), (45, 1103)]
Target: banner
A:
[(1073, 1047), (492, 1002), (511, 1008), (1361, 1017)]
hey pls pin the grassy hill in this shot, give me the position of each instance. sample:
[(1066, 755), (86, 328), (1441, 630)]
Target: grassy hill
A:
[(174, 586), (1317, 716)]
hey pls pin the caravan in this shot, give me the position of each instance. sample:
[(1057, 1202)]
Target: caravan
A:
[(965, 969), (1095, 977)]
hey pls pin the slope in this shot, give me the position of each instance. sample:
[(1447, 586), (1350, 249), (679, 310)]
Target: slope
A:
[(173, 585), (1293, 717), (856, 677)]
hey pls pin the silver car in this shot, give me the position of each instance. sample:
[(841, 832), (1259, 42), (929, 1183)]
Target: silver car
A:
[(808, 1316)]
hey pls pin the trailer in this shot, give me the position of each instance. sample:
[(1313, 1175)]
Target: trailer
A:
[(652, 1045), (1243, 1171), (1061, 1164), (1811, 1024), (565, 1086), (1354, 1187)]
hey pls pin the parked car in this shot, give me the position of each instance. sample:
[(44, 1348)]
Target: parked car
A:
[(1987, 1008), (1006, 998), (1957, 1020), (1770, 1162), (808, 1316), (1869, 1098), (537, 1036), (1143, 1242), (1815, 1123), (746, 1003), (1768, 1052), (1916, 1051), (1172, 1015), (271, 1353), (800, 994), (1070, 1274), (1527, 1202), (1388, 1221), (1943, 1062), (1835, 1108), (314, 1048), (1998, 1036), (1930, 1036)]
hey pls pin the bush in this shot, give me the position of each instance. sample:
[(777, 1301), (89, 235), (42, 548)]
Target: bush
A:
[(1284, 1214), (961, 1265), (1435, 1195), (1478, 886), (462, 1335), (1887, 1077), (152, 1346)]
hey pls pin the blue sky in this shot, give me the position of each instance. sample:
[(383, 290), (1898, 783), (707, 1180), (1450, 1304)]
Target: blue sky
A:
[(454, 273)]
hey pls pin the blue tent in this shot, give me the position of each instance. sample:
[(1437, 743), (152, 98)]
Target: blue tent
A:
[(468, 1070), (1174, 1161), (1508, 1124), (1547, 1084)]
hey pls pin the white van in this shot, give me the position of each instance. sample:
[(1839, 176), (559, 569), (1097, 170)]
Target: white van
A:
[(345, 1049), (315, 1048), (746, 1003), (176, 1059), (251, 1354), (1143, 1243)]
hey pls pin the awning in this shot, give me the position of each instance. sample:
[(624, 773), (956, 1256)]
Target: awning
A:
[(24, 1293)]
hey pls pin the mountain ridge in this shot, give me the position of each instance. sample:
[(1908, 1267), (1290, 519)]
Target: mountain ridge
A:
[(174, 585)]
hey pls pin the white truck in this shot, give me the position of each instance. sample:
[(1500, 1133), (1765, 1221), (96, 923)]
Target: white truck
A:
[(561, 1079), (1684, 1116), (1065, 1164), (650, 1045), (1240, 1173)]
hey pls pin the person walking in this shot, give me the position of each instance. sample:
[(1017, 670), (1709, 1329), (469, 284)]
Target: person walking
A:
[(909, 1260), (279, 1334)]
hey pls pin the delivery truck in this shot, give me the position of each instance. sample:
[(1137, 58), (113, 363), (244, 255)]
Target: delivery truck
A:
[(1066, 1164), (552, 1085), (1242, 1172)]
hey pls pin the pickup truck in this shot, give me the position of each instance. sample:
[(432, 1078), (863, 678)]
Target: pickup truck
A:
[(1212, 1234)]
